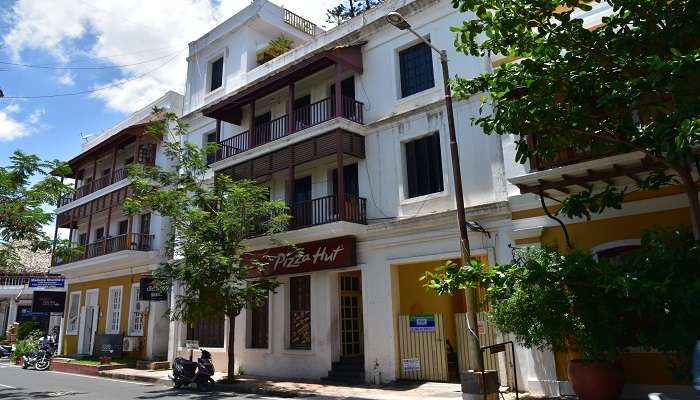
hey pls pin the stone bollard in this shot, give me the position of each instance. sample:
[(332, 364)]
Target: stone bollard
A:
[(475, 384)]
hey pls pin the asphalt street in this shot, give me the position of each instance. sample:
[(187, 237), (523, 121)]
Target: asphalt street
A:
[(16, 384)]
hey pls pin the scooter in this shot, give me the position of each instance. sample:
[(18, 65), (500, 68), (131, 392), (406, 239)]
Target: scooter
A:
[(200, 373), (6, 350), (39, 359)]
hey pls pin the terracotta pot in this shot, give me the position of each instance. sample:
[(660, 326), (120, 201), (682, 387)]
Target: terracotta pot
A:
[(596, 380)]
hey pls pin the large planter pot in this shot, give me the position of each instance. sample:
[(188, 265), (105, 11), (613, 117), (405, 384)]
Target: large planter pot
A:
[(596, 380)]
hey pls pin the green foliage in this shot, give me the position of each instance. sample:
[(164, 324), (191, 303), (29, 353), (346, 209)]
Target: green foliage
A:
[(341, 12), (27, 345), (25, 329), (628, 85), (597, 308), (281, 43), (209, 221), (21, 214)]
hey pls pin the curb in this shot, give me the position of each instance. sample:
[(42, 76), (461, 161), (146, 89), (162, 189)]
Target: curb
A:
[(135, 378)]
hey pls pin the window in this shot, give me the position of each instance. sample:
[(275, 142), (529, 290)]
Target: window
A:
[(216, 78), (424, 166), (99, 233), (416, 65), (259, 326), (135, 312), (209, 332), (123, 227), (211, 138), (73, 313), (114, 310), (300, 312)]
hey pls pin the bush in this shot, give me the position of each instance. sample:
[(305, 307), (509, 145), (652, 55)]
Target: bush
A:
[(25, 328), (649, 299), (27, 345)]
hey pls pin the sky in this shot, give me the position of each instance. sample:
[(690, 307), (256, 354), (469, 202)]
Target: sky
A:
[(126, 52)]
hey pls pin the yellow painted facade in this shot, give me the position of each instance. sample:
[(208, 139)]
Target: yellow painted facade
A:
[(70, 345), (639, 368)]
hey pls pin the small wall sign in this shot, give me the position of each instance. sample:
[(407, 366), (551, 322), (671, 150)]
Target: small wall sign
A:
[(148, 290), (192, 344), (481, 327), (410, 364), (421, 323), (108, 346), (48, 302), (38, 282)]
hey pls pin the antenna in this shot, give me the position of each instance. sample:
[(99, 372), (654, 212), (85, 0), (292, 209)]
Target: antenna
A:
[(85, 137)]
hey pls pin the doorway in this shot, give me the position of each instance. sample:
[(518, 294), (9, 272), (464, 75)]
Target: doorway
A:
[(301, 203), (89, 322), (351, 329)]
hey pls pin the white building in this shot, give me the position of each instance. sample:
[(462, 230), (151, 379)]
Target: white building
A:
[(117, 249), (283, 124)]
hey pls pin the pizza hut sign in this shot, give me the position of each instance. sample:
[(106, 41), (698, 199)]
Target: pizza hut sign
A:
[(307, 257)]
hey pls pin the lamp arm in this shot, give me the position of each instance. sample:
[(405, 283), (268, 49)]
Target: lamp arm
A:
[(442, 53)]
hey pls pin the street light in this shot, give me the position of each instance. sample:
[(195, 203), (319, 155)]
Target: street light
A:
[(475, 358)]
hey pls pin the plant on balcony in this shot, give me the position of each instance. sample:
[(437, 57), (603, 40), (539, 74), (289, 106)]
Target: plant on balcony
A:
[(630, 84), (26, 187), (275, 48), (209, 221)]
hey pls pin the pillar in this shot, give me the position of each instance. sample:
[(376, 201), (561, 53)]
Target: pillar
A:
[(290, 110), (338, 94), (341, 176)]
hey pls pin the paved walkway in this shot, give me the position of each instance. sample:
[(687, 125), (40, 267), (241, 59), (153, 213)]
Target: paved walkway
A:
[(320, 390)]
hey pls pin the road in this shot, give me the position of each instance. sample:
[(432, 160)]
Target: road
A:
[(16, 384)]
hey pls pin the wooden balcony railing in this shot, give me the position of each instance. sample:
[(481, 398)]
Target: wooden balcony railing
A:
[(133, 241), (299, 22), (568, 157), (304, 117), (95, 185)]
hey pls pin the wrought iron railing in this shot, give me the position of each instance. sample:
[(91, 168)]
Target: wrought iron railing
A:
[(304, 117)]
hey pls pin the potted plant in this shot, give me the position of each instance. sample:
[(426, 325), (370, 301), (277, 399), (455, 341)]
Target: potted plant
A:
[(275, 48), (594, 308)]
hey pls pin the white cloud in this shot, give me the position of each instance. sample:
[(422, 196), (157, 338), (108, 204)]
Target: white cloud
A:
[(66, 79), (12, 128), (128, 32)]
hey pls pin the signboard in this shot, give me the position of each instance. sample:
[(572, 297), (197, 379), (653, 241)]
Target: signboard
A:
[(148, 290), (192, 344), (39, 282), (306, 257), (421, 323), (481, 327), (25, 313), (108, 346), (410, 364), (48, 302)]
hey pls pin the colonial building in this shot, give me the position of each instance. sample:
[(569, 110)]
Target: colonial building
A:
[(115, 250), (349, 128)]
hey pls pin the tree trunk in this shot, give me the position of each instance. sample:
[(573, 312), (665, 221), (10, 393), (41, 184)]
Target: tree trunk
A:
[(691, 191), (231, 356)]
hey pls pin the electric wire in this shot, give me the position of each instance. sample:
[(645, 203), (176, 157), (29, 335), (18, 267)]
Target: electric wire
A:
[(120, 83), (86, 67)]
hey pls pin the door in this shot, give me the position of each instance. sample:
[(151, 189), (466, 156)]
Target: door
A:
[(261, 133), (302, 112), (144, 242), (303, 211), (422, 349), (89, 319), (352, 192), (351, 330), (347, 91)]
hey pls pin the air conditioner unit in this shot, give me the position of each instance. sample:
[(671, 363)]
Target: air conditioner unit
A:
[(131, 343)]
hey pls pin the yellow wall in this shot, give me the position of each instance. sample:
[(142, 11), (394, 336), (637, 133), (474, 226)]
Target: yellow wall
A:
[(643, 368), (70, 345), (415, 299)]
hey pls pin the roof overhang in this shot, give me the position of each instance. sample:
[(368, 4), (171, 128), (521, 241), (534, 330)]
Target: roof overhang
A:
[(228, 108)]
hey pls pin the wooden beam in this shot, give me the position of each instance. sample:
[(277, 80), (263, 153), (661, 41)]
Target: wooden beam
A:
[(591, 176), (582, 185), (622, 171)]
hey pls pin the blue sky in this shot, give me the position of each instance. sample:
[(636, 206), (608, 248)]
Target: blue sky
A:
[(140, 48)]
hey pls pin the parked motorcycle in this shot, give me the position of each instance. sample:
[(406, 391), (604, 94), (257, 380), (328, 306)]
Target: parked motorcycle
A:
[(6, 350), (39, 359), (187, 371)]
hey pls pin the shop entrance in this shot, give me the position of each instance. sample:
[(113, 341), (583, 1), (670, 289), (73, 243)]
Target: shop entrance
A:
[(351, 335)]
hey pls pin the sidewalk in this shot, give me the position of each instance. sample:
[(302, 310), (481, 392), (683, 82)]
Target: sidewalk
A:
[(322, 390)]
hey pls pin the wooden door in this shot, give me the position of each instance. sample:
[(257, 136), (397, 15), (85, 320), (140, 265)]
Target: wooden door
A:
[(351, 328)]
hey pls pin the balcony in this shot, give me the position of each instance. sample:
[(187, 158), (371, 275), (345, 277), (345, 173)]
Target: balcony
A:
[(569, 157), (324, 210), (304, 117), (133, 241), (93, 186)]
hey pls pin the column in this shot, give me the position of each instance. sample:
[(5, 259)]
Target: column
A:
[(338, 94), (114, 164), (94, 175), (217, 154), (290, 110), (251, 132), (341, 176)]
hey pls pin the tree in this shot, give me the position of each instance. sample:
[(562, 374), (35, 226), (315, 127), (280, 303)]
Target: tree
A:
[(341, 12), (631, 84), (209, 222), (23, 205)]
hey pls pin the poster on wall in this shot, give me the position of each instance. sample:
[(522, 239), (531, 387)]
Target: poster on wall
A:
[(410, 364), (421, 323), (48, 302)]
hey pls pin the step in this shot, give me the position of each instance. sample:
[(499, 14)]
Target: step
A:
[(348, 367), (345, 381), (346, 374)]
